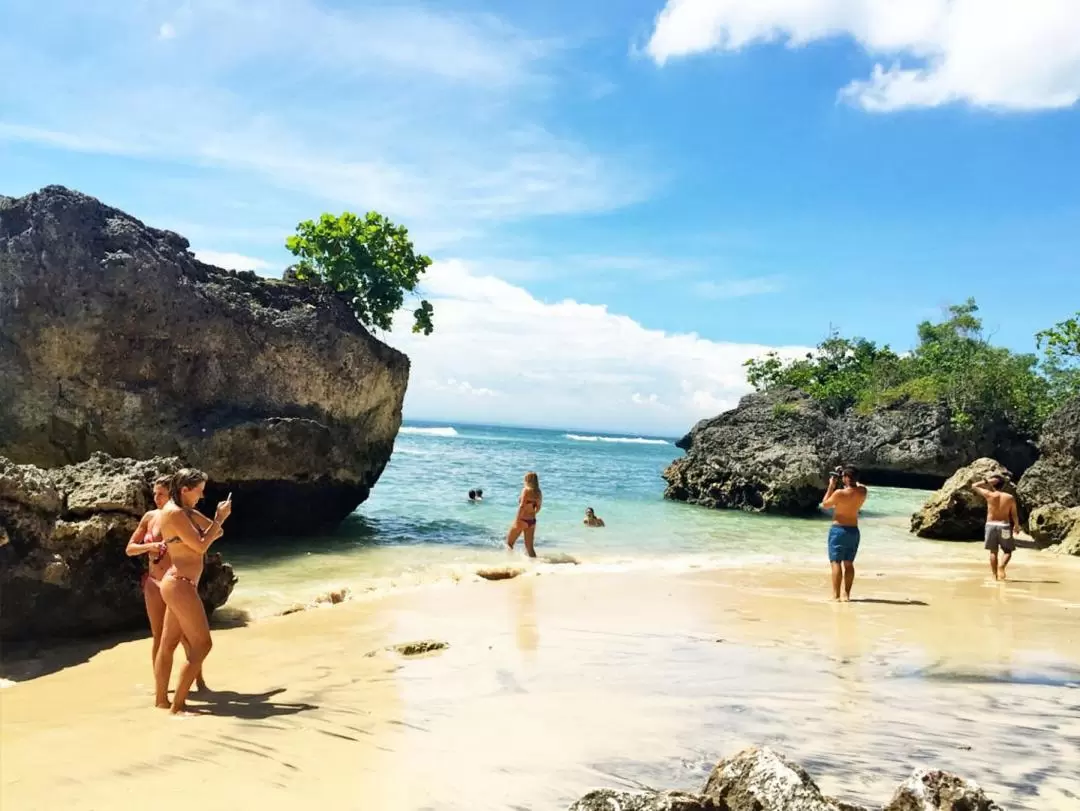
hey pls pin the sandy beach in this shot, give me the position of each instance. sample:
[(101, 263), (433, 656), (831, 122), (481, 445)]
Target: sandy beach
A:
[(558, 683)]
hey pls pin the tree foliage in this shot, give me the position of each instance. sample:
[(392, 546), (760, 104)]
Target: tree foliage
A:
[(369, 259), (1061, 356), (952, 363)]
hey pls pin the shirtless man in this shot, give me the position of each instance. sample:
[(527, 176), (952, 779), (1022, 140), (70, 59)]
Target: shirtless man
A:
[(1002, 522), (845, 502), (592, 519)]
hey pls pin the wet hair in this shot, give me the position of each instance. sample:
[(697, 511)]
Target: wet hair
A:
[(997, 481), (186, 477), (479, 493), (852, 471), (532, 481), (472, 495), (590, 511), (165, 480)]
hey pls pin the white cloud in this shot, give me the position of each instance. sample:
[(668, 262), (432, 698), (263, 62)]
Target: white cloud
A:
[(435, 118), (231, 261), (1003, 54), (564, 364)]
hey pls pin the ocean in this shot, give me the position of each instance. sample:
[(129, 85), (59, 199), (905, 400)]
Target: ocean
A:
[(418, 528)]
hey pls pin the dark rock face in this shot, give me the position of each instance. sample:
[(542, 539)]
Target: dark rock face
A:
[(63, 569), (1055, 477), (759, 779), (956, 512), (941, 791), (114, 338), (773, 452)]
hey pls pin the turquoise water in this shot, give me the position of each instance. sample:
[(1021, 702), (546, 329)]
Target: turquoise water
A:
[(418, 527)]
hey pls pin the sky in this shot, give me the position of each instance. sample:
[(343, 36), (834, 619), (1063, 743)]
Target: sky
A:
[(624, 199)]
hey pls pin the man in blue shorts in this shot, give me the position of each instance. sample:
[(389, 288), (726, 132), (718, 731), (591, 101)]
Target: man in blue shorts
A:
[(845, 498)]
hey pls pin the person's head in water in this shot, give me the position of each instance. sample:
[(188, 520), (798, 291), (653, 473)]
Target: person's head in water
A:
[(996, 481), (472, 495), (590, 513), (479, 494), (532, 481), (161, 490), (850, 476), (186, 488)]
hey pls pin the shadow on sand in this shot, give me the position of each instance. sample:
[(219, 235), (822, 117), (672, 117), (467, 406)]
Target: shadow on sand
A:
[(248, 706), (21, 660), (880, 601)]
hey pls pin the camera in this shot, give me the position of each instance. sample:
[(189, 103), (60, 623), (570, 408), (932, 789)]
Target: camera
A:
[(837, 473)]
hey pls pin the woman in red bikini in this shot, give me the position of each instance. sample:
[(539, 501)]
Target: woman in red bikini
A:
[(185, 616), (144, 542), (529, 505)]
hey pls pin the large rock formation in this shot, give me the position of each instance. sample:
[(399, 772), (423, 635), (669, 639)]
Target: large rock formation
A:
[(114, 338), (774, 451), (956, 512), (1049, 492), (759, 779), (63, 569)]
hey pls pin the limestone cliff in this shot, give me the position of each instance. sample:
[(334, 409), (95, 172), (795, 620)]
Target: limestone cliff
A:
[(114, 338)]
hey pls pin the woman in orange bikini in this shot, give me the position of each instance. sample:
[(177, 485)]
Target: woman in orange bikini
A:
[(529, 505), (185, 617), (144, 542)]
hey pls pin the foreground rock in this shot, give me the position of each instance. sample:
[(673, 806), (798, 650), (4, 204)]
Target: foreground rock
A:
[(773, 453), (114, 338), (956, 512), (63, 569), (1055, 477), (760, 779)]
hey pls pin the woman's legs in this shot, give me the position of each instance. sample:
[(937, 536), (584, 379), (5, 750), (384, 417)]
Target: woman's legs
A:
[(155, 612), (530, 533), (186, 618), (513, 535)]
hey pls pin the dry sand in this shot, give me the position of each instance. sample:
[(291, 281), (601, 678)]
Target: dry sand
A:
[(555, 684)]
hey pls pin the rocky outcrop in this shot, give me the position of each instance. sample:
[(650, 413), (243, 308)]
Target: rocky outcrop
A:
[(1055, 477), (114, 338), (956, 512), (759, 779), (63, 569), (926, 790), (1051, 524), (774, 451)]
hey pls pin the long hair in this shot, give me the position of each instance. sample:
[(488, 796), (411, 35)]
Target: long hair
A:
[(186, 477), (532, 481)]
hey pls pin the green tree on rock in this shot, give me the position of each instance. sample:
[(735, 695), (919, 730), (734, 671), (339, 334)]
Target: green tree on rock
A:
[(1061, 356), (369, 259)]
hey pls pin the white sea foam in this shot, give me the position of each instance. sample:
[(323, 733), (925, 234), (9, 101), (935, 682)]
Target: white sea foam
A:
[(445, 431), (626, 440)]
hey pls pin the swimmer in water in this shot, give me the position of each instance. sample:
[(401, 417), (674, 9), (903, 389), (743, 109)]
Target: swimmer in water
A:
[(529, 504), (592, 519)]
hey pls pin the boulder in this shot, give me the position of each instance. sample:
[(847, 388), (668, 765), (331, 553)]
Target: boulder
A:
[(63, 569), (774, 451), (1055, 477), (760, 779), (609, 800), (928, 790), (115, 338), (1051, 524), (956, 512)]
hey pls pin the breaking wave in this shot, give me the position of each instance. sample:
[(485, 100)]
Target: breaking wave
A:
[(412, 429), (626, 440)]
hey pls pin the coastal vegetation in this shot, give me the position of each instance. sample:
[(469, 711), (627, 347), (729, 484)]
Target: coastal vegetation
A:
[(369, 259), (953, 363)]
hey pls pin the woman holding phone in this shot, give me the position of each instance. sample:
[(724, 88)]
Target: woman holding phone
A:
[(185, 617)]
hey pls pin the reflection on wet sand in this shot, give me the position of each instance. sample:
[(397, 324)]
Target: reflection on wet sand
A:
[(552, 685)]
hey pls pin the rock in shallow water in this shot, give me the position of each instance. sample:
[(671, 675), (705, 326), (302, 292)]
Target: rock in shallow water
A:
[(774, 451), (63, 571), (956, 512), (114, 338), (760, 779)]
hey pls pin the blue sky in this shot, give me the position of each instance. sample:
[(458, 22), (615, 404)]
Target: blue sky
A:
[(624, 199)]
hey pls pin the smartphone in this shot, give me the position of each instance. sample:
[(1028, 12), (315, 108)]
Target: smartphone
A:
[(229, 499)]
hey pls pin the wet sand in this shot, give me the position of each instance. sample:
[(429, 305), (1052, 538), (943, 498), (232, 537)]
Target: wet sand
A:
[(559, 683)]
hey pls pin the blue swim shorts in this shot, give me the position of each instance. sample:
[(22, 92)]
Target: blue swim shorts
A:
[(843, 543)]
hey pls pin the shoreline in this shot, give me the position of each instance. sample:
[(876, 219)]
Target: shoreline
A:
[(552, 686)]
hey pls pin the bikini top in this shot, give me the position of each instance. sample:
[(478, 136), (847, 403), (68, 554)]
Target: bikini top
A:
[(152, 538)]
